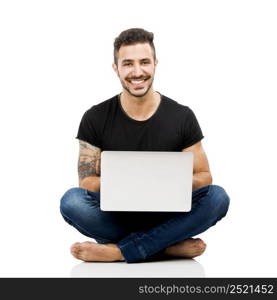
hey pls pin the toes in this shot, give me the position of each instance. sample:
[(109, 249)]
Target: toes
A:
[(200, 246), (74, 246), (74, 249), (81, 250), (199, 243), (197, 247)]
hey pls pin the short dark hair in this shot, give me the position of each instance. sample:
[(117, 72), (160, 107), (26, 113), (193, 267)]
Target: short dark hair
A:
[(133, 36)]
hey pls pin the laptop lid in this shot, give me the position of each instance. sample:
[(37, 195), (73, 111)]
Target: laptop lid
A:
[(146, 181)]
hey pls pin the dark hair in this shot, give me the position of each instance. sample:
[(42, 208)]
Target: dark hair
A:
[(133, 36)]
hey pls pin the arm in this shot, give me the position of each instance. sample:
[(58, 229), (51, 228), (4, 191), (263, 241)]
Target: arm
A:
[(201, 171), (89, 166)]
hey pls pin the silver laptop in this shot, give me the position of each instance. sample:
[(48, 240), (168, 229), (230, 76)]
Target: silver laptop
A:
[(146, 181)]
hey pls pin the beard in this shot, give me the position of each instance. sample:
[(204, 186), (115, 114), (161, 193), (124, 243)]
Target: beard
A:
[(125, 87)]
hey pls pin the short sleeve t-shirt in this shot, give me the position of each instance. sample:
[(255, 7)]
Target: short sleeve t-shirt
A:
[(172, 127)]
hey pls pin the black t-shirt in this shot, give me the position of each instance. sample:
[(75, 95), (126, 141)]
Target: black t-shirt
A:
[(172, 127)]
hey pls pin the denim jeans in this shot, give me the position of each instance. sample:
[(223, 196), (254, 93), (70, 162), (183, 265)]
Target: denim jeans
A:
[(143, 235)]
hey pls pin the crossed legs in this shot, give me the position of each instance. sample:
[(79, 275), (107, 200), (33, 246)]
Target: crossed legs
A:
[(125, 236)]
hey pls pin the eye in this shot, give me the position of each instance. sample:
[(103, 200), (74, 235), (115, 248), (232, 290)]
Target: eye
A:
[(127, 64)]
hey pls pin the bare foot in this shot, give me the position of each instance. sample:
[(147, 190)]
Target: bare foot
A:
[(188, 248), (89, 251)]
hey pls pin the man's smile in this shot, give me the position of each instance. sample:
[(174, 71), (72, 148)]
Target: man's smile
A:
[(138, 82)]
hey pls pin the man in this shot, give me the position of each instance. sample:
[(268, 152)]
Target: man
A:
[(139, 119)]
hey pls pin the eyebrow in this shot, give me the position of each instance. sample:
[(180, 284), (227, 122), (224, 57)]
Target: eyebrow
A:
[(130, 60), (127, 60)]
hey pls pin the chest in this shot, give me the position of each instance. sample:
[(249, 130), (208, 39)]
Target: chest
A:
[(149, 136)]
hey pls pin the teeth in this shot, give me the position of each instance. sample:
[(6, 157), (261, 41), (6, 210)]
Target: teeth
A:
[(137, 82)]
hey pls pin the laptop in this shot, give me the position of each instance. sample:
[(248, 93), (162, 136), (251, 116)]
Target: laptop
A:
[(152, 181)]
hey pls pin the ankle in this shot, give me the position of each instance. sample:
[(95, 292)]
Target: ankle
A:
[(117, 252)]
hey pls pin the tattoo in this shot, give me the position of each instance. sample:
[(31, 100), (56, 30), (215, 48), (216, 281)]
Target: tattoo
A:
[(89, 160)]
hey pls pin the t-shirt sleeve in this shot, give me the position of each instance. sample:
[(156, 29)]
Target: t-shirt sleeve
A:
[(192, 132), (88, 129)]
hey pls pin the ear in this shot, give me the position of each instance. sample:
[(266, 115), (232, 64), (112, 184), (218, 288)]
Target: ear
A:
[(115, 68), (156, 62)]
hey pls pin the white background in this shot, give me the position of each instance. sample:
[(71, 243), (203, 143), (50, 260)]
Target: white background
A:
[(218, 57)]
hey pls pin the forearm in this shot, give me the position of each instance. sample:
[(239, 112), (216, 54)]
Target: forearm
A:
[(201, 179), (91, 183)]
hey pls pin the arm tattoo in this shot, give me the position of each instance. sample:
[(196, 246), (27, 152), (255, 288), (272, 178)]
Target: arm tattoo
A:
[(89, 160)]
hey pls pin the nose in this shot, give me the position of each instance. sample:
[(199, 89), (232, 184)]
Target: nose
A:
[(137, 71)]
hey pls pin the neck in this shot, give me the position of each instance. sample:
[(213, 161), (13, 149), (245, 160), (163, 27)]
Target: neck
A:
[(140, 108), (140, 105), (139, 101)]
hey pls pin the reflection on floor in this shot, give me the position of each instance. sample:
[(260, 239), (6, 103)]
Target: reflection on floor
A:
[(165, 268)]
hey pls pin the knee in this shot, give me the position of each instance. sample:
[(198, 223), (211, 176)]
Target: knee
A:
[(220, 200), (71, 200)]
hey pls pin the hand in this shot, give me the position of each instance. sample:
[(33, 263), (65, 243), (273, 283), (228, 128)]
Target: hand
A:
[(98, 167)]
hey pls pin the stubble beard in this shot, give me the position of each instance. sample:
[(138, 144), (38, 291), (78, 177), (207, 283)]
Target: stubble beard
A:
[(135, 95)]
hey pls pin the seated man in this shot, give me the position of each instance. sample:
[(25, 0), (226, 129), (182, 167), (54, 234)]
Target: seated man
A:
[(139, 119)]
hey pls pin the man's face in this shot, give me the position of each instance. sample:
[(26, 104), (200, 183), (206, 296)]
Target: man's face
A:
[(136, 68)]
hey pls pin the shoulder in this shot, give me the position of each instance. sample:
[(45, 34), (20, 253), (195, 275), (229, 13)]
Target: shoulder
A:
[(102, 107), (174, 106), (99, 112)]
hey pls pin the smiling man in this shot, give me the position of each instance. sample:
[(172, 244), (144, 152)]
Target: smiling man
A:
[(139, 119)]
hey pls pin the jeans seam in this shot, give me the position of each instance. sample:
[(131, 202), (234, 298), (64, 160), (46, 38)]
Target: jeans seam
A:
[(140, 248)]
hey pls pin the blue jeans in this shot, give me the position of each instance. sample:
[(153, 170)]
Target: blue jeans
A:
[(143, 235)]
